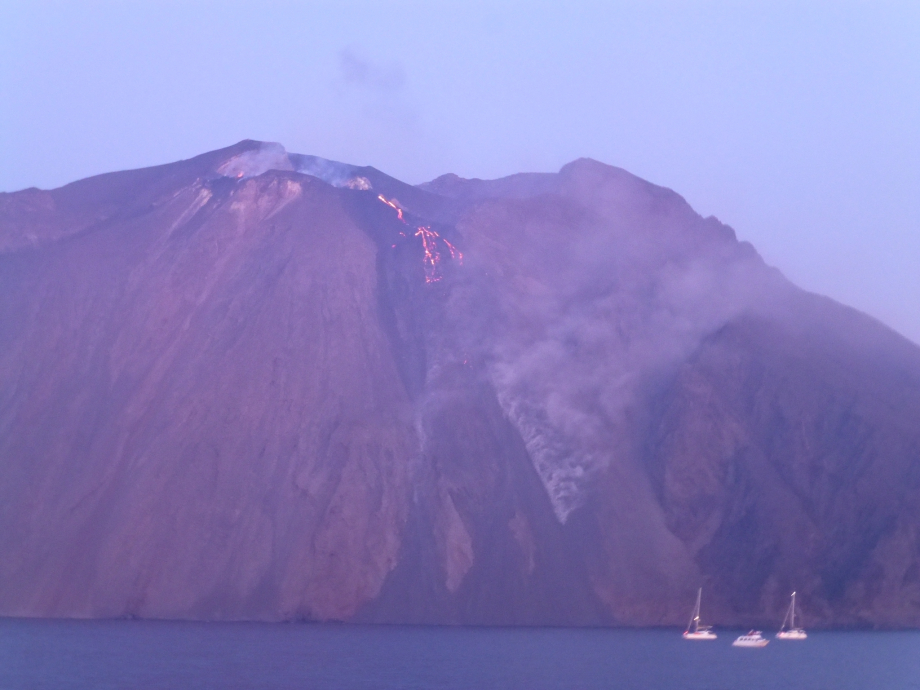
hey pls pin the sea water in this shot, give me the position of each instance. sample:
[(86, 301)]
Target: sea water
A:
[(99, 655)]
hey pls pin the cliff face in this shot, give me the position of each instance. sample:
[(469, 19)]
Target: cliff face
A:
[(254, 385)]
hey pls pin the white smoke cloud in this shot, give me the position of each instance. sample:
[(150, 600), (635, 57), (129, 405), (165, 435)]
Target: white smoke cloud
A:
[(269, 156), (272, 156), (334, 173), (594, 307)]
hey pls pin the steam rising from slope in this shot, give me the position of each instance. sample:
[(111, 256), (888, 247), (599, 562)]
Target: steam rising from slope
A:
[(592, 317)]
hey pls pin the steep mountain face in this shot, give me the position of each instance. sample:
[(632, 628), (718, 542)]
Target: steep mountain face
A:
[(259, 385)]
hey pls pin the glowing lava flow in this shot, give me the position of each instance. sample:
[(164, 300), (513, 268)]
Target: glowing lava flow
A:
[(432, 257), (454, 252), (392, 205)]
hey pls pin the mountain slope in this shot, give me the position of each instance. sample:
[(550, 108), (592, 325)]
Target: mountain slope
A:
[(255, 385)]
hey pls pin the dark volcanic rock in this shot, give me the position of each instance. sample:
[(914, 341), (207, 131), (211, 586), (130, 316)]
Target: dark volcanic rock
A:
[(245, 386)]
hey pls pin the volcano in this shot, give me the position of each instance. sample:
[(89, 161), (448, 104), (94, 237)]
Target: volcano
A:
[(256, 385)]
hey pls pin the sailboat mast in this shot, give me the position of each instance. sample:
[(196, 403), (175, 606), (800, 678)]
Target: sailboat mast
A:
[(695, 616), (792, 622), (696, 612)]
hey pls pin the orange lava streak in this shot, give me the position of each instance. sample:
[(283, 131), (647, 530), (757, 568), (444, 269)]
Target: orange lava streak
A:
[(392, 205), (454, 252), (429, 239), (432, 255)]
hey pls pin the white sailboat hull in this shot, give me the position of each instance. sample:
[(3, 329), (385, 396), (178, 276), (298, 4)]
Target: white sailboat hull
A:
[(791, 635), (701, 635)]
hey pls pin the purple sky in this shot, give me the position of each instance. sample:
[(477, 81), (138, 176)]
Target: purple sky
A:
[(796, 123)]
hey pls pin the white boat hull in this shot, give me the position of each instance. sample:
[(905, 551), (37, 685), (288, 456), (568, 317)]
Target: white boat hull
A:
[(791, 635), (702, 635), (752, 639)]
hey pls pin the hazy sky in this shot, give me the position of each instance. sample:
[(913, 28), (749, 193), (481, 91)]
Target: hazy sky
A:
[(798, 124)]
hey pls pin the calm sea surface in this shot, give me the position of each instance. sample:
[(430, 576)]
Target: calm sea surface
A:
[(148, 655)]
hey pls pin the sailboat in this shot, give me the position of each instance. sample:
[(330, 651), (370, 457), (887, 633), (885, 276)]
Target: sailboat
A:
[(694, 630), (788, 631)]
